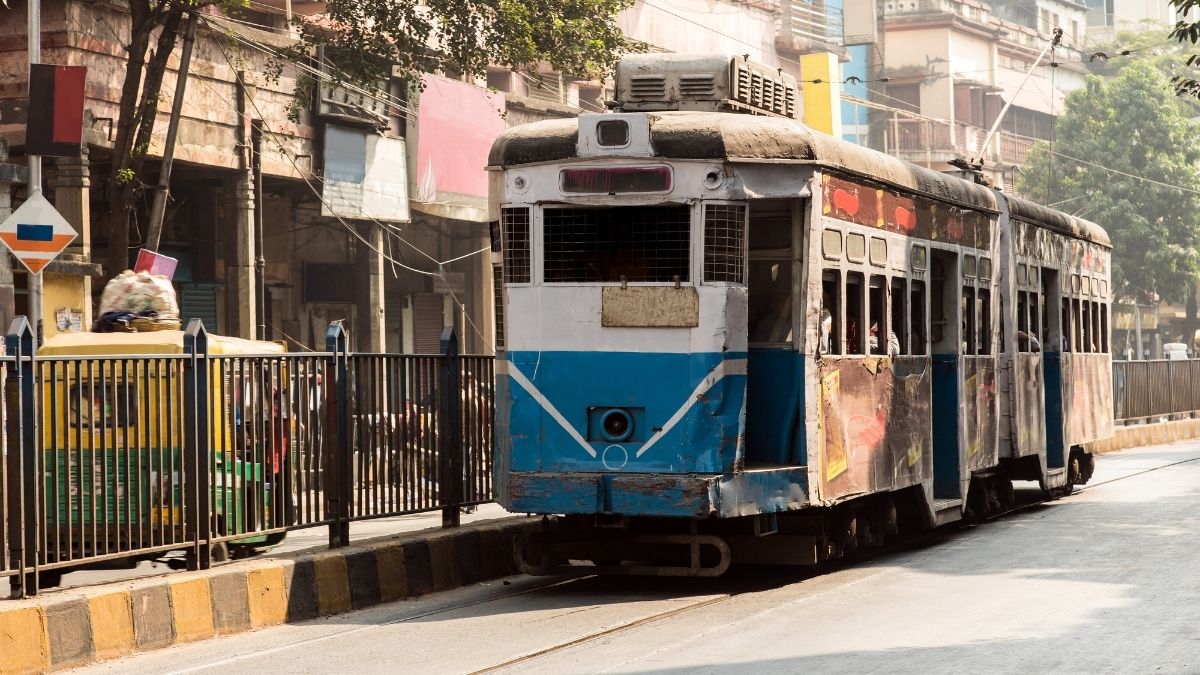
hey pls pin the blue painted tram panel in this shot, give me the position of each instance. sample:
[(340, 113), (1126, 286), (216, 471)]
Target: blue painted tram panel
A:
[(733, 329)]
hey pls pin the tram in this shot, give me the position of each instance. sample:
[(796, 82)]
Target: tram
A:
[(729, 338)]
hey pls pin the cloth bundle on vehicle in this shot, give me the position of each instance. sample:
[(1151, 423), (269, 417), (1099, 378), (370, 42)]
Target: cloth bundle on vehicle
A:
[(137, 295)]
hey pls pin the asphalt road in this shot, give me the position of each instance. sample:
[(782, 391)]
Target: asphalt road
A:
[(1103, 581)]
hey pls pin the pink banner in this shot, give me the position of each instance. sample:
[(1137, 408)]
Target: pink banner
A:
[(457, 123)]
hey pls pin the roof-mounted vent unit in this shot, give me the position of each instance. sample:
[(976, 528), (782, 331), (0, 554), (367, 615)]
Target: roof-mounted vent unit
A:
[(713, 82)]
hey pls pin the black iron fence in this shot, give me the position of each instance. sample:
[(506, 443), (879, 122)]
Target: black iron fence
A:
[(1146, 391), (129, 456)]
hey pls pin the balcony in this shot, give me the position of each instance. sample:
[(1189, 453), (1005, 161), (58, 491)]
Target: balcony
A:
[(929, 142), (807, 27)]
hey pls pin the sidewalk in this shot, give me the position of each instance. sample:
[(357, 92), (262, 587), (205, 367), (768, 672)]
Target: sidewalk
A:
[(310, 539)]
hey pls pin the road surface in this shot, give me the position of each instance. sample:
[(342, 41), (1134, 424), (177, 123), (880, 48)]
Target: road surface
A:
[(1103, 581)]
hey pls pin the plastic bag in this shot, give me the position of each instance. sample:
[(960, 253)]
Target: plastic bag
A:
[(140, 293)]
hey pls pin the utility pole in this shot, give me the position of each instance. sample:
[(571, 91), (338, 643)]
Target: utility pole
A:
[(34, 41), (159, 209)]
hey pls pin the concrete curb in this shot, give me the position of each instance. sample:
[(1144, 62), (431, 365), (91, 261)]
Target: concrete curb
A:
[(81, 626), (1139, 435)]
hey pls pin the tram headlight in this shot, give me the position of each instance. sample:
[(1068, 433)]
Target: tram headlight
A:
[(617, 425)]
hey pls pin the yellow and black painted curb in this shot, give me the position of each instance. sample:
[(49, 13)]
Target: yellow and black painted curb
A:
[(81, 626)]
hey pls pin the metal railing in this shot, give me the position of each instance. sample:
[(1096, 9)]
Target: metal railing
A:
[(1146, 391), (128, 457)]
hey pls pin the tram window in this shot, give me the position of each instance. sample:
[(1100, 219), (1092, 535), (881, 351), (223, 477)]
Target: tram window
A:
[(1087, 326), (968, 320), (985, 321), (985, 269), (724, 242), (899, 297), (770, 289), (1023, 312), (1022, 273), (878, 251), (877, 324), (831, 244), (969, 267), (856, 247), (1077, 318), (516, 245), (919, 257), (854, 313), (634, 243), (1104, 327), (916, 322), (1035, 322), (1096, 327), (1074, 283), (829, 331), (1066, 325), (1087, 285)]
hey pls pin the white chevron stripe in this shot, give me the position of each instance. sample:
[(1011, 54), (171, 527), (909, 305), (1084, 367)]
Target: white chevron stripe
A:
[(517, 375), (729, 367)]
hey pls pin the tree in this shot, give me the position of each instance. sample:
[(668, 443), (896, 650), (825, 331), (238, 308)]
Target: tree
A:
[(365, 39), (1186, 82), (1125, 157)]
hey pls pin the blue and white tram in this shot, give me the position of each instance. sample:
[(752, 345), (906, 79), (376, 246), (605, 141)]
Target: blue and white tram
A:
[(728, 337)]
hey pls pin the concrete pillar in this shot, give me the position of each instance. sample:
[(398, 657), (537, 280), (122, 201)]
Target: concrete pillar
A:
[(375, 298), (240, 279), (8, 304), (72, 198)]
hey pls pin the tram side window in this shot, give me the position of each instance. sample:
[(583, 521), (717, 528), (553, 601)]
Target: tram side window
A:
[(1096, 334), (917, 333), (854, 313), (1077, 321), (516, 241), (1087, 326), (877, 320), (985, 321), (1022, 317), (1104, 327), (968, 320), (1035, 322), (1067, 326), (830, 329), (770, 291), (899, 297)]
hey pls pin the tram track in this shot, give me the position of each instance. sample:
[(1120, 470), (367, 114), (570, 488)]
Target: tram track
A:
[(910, 543), (535, 586)]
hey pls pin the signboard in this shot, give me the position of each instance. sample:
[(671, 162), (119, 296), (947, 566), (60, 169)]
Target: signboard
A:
[(366, 176), (55, 123), (450, 282), (156, 264), (36, 233)]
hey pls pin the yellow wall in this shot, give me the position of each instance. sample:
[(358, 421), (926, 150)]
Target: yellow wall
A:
[(822, 102), (62, 291)]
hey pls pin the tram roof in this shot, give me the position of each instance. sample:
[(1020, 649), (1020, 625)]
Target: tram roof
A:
[(731, 136)]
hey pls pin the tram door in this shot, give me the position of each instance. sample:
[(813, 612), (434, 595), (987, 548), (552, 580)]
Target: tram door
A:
[(946, 348), (775, 373), (1057, 325)]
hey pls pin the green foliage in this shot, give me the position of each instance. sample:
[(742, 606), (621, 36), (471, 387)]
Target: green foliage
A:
[(1187, 32), (1129, 129), (366, 37)]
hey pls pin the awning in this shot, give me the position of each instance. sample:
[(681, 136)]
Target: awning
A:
[(1037, 94)]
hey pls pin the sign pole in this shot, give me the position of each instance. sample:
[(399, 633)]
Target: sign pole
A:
[(34, 40)]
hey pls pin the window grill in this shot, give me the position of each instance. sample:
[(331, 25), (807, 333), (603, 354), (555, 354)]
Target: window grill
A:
[(639, 243), (516, 245), (498, 302), (725, 243)]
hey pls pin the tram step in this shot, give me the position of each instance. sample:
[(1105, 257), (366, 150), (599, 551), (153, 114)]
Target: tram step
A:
[(947, 510)]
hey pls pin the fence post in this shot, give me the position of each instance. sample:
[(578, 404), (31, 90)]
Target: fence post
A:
[(339, 490), (197, 432), (450, 458), (24, 481)]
